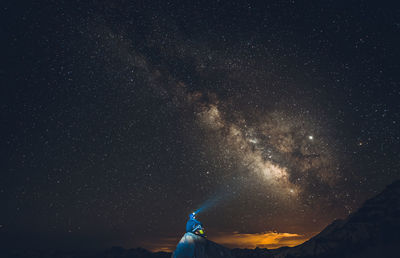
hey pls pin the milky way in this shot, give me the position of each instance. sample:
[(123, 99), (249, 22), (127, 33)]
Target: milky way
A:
[(276, 148), (281, 147), (284, 145)]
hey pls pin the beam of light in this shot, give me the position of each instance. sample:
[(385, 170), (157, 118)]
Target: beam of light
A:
[(213, 201)]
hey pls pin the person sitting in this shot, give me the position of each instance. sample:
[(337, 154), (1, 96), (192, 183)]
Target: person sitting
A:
[(194, 226)]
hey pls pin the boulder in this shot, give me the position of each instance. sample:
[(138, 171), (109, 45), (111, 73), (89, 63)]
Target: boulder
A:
[(194, 246)]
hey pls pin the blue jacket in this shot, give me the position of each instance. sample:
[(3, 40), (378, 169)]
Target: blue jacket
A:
[(192, 224)]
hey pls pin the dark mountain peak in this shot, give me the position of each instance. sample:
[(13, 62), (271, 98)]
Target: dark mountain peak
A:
[(371, 231), (382, 207)]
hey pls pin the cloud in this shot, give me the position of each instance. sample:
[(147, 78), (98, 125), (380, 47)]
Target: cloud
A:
[(270, 240)]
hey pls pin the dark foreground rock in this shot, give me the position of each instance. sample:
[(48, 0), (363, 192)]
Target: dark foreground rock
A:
[(254, 253), (119, 252), (194, 246)]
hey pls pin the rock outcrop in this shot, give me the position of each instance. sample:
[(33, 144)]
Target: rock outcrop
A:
[(194, 246)]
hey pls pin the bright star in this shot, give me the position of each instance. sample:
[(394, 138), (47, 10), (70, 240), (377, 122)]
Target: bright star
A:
[(253, 141)]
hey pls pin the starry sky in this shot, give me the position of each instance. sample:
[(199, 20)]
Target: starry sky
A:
[(119, 118)]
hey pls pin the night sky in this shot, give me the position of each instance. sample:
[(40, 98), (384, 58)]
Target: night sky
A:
[(119, 118)]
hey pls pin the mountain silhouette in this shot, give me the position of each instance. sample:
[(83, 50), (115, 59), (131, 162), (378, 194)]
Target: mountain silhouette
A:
[(372, 231), (114, 252)]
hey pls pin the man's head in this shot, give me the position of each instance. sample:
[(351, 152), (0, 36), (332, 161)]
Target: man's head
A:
[(192, 215)]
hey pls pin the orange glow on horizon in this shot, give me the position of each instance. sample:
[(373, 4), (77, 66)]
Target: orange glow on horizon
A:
[(162, 249), (270, 240)]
